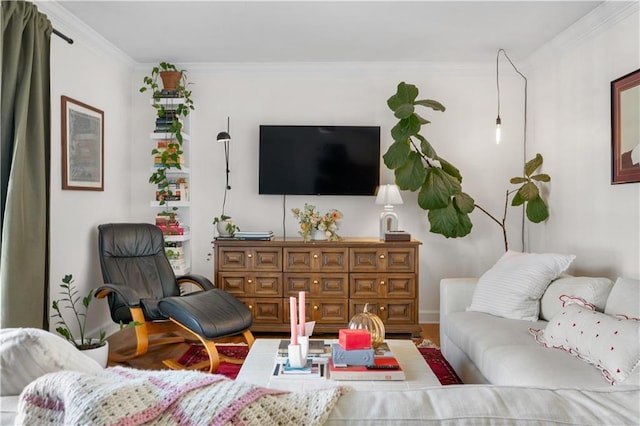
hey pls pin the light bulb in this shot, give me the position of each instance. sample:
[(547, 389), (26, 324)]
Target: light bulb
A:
[(498, 124)]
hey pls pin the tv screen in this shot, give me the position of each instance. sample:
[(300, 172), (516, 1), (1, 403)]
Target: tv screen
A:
[(319, 160)]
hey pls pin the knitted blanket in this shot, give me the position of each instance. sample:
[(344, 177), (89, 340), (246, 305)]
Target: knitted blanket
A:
[(124, 396)]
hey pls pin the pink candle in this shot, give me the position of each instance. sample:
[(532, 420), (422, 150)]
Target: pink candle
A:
[(294, 320), (302, 315)]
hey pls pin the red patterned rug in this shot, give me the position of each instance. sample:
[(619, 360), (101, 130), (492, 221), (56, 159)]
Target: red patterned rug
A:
[(196, 353)]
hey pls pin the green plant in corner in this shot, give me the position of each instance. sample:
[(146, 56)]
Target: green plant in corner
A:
[(79, 307), (418, 167), (172, 115)]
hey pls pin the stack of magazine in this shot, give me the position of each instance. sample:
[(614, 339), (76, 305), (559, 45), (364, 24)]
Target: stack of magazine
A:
[(253, 235)]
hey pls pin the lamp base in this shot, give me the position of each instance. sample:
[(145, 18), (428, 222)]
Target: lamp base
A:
[(388, 222)]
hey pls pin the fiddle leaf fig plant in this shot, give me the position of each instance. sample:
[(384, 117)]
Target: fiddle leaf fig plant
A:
[(418, 167)]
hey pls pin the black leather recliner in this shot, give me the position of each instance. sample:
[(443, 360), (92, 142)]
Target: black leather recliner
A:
[(141, 286)]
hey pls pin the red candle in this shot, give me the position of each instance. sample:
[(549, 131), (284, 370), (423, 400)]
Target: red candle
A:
[(294, 320), (303, 318)]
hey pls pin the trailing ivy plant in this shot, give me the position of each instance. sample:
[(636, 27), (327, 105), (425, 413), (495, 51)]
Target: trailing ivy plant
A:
[(418, 167), (170, 156)]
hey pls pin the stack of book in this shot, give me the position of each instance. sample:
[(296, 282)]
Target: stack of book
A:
[(317, 349), (175, 254), (164, 123), (253, 235), (353, 358), (169, 223), (177, 190), (166, 147), (397, 236), (314, 369)]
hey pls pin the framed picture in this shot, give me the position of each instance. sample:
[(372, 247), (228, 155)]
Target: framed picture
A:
[(625, 128), (82, 146)]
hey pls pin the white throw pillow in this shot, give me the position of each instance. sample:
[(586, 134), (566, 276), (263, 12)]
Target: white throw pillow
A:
[(593, 290), (512, 288), (28, 353), (610, 343), (624, 298)]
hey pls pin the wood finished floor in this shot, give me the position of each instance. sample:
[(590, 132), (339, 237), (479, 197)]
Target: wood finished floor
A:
[(152, 360)]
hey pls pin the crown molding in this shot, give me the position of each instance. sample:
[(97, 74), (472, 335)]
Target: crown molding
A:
[(600, 19), (81, 33), (433, 67)]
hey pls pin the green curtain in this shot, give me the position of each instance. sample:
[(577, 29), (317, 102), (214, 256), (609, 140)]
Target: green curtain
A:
[(26, 139)]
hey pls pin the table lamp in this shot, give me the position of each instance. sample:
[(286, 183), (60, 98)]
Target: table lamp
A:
[(388, 195)]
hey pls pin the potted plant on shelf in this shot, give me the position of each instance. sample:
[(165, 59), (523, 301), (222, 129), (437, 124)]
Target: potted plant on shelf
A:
[(169, 118), (224, 226), (96, 348), (417, 167)]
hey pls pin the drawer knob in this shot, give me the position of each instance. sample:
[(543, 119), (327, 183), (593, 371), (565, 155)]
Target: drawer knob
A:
[(382, 282), (315, 308), (382, 308), (249, 255), (249, 281), (315, 281), (250, 306), (315, 256), (382, 256)]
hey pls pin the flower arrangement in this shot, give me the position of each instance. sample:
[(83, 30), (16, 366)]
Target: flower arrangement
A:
[(310, 221)]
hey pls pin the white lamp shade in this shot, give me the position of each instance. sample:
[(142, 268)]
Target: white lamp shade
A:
[(388, 195)]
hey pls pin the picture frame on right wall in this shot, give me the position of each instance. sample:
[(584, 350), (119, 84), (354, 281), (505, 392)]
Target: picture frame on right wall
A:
[(625, 128)]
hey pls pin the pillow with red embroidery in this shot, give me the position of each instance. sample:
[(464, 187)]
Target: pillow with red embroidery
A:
[(610, 343)]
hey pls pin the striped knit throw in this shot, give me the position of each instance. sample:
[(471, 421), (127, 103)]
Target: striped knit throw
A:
[(125, 396)]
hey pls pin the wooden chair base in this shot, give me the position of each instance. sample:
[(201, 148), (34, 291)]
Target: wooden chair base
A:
[(214, 357)]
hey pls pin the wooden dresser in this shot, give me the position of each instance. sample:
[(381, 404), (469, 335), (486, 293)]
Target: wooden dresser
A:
[(338, 277)]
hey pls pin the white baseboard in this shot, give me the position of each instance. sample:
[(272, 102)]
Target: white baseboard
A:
[(429, 317)]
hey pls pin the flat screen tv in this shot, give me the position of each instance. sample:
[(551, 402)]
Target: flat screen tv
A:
[(319, 160)]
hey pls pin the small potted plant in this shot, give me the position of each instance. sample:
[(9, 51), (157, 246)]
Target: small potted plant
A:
[(224, 226), (96, 348)]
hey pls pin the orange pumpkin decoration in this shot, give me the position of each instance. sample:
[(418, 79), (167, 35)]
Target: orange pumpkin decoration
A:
[(372, 323)]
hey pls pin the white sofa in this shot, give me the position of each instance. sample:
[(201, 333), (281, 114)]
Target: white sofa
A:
[(485, 348)]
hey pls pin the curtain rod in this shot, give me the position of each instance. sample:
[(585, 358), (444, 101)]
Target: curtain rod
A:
[(62, 36)]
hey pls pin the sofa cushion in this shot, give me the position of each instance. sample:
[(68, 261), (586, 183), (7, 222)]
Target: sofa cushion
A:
[(506, 354), (512, 288), (28, 353), (624, 298), (610, 343), (593, 290)]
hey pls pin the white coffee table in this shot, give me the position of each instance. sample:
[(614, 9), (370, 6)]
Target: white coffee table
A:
[(258, 368)]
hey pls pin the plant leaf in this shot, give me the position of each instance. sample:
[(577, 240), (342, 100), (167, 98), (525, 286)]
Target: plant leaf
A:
[(405, 94), (463, 203), (421, 119), (404, 111), (517, 200), (430, 103), (426, 147), (532, 165), (397, 154), (450, 169), (411, 175), (518, 180), (528, 191), (437, 190), (405, 128), (449, 223), (542, 177), (537, 210)]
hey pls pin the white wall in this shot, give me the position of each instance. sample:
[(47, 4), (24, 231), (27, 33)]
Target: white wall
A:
[(353, 94), (85, 71), (596, 221)]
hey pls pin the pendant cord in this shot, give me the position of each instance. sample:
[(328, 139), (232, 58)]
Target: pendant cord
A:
[(524, 136)]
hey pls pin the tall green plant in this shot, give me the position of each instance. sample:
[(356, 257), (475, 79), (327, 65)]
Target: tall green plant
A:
[(418, 167)]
